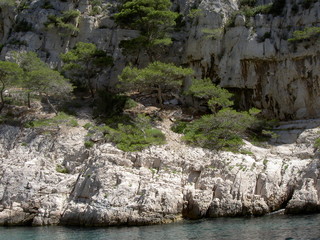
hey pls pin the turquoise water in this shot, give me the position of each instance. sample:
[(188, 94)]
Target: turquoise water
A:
[(268, 227)]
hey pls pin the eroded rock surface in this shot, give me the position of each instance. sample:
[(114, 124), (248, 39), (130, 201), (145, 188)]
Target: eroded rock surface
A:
[(106, 186)]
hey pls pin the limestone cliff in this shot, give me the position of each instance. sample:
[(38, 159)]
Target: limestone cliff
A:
[(249, 55)]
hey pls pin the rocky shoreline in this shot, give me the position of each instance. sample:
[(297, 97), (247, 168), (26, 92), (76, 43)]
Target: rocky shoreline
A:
[(105, 186)]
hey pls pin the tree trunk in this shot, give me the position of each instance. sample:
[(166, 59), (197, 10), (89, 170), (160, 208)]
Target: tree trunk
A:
[(91, 90), (28, 100), (51, 106), (89, 82), (160, 99)]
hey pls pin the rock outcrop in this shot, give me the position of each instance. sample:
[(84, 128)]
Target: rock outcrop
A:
[(105, 186)]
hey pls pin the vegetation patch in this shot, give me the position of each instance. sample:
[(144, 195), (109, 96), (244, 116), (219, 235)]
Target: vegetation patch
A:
[(128, 134), (7, 3), (225, 128), (61, 169), (221, 131), (60, 119), (66, 22), (305, 34), (249, 9), (316, 144)]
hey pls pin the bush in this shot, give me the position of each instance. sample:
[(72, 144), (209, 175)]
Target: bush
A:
[(215, 96), (88, 144), (64, 21), (221, 131), (61, 169), (7, 3), (306, 34), (179, 127), (316, 144), (129, 134), (60, 119), (248, 9)]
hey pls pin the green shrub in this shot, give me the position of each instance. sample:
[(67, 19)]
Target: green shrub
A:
[(179, 127), (130, 103), (221, 131), (316, 144), (215, 96), (61, 169), (248, 9), (129, 134), (59, 119), (88, 144), (24, 4), (261, 9), (7, 3), (194, 13), (306, 34), (87, 126), (96, 10), (212, 33), (64, 21)]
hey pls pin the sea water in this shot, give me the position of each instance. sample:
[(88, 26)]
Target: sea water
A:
[(267, 227)]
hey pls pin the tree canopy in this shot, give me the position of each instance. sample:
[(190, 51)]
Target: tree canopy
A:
[(10, 74), (158, 76), (152, 18), (40, 78), (83, 63), (215, 96)]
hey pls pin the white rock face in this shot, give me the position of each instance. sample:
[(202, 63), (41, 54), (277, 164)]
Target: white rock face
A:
[(106, 186), (256, 61), (253, 59)]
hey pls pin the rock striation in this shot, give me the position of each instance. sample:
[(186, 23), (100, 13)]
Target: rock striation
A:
[(105, 186)]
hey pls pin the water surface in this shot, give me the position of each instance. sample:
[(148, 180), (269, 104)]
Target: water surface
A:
[(268, 227)]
